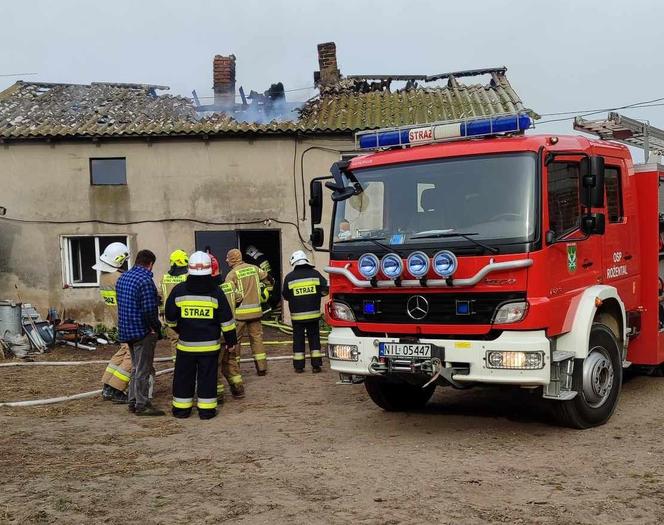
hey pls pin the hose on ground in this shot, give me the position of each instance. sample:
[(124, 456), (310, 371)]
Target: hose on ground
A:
[(83, 395)]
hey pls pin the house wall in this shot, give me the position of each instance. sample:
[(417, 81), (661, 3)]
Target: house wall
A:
[(225, 180)]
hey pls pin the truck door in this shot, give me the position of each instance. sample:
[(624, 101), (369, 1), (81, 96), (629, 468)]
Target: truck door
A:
[(574, 263), (620, 261)]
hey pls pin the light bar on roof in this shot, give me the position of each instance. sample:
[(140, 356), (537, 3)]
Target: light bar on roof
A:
[(446, 130)]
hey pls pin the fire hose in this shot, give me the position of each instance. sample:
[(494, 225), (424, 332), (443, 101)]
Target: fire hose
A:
[(83, 395)]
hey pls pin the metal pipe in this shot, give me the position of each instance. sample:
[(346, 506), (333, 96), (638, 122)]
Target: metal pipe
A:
[(433, 283)]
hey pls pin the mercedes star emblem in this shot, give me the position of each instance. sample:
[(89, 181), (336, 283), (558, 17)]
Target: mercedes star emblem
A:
[(417, 307)]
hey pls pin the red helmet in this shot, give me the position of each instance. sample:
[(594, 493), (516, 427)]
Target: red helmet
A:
[(215, 265)]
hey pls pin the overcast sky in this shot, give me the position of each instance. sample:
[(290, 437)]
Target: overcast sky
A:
[(562, 55)]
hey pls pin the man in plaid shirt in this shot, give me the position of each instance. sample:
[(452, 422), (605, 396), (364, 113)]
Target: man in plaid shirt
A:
[(139, 327)]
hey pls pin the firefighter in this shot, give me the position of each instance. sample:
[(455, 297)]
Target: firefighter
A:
[(247, 279), (229, 365), (116, 376), (258, 258), (198, 311), (176, 274), (303, 289)]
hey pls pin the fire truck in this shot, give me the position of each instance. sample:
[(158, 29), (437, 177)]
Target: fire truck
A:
[(469, 253)]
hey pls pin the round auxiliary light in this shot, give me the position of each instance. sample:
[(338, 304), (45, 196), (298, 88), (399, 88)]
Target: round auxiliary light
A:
[(391, 266), (445, 263), (418, 264), (368, 265)]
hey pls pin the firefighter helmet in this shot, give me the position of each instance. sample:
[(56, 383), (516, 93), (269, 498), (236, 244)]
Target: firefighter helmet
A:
[(299, 258), (179, 258), (114, 256), (200, 264), (253, 252)]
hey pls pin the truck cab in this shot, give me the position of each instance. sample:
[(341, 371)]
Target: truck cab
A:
[(468, 252)]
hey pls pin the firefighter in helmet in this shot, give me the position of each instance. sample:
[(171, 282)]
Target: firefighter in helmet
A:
[(199, 312), (303, 289), (177, 273), (116, 376)]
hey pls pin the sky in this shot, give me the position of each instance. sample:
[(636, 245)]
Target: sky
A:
[(561, 55)]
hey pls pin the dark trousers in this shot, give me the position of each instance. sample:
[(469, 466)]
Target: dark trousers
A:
[(312, 329), (195, 370), (142, 361)]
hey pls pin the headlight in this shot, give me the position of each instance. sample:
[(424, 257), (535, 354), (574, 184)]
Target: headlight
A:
[(342, 352), (368, 265), (341, 311), (418, 264), (515, 360), (445, 263), (510, 312), (391, 266)]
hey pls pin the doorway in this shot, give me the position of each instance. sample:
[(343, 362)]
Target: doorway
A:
[(266, 241)]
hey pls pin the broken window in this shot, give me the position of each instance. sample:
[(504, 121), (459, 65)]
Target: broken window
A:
[(106, 172), (80, 253)]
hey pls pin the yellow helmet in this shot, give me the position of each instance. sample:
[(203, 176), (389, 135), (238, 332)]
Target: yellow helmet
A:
[(179, 258)]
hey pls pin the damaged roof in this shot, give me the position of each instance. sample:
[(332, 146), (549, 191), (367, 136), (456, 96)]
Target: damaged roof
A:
[(43, 110)]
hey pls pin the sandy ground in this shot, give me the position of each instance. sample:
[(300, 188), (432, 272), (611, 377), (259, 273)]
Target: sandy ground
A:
[(302, 449)]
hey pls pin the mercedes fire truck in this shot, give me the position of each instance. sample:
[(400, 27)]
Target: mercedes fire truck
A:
[(469, 252)]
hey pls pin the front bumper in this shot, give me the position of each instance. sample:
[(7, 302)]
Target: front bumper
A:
[(470, 354)]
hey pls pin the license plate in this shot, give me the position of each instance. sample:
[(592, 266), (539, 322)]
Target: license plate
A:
[(403, 350)]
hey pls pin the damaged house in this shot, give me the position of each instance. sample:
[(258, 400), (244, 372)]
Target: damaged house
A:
[(82, 166)]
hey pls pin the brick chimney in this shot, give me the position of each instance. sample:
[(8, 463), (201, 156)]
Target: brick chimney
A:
[(223, 80), (327, 61)]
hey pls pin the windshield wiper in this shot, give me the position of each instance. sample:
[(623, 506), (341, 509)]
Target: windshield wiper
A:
[(375, 240), (448, 234)]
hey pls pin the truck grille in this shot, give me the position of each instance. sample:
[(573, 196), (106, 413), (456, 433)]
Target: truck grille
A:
[(443, 308)]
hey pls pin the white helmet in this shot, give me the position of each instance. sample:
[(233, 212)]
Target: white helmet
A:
[(252, 251), (299, 258), (113, 258), (200, 263)]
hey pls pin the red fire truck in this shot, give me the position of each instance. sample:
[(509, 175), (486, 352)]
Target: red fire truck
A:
[(469, 252)]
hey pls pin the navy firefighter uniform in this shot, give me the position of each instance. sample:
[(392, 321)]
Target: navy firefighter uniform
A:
[(198, 311), (303, 289)]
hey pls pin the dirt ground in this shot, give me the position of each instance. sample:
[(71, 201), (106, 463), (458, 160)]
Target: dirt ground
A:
[(302, 449)]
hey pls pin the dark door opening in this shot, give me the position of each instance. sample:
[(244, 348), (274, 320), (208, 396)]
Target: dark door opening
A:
[(269, 243), (266, 241)]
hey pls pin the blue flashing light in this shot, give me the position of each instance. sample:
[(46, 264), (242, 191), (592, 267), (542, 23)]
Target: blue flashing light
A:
[(369, 308), (368, 265), (463, 307), (447, 130), (391, 266)]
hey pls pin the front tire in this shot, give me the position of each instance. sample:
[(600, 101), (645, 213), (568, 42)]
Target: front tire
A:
[(396, 396), (597, 379)]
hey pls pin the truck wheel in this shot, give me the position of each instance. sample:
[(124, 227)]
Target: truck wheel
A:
[(397, 396), (597, 379)]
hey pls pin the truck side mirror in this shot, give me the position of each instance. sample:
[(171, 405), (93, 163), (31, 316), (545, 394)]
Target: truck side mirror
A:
[(316, 201), (593, 223), (317, 237), (592, 182)]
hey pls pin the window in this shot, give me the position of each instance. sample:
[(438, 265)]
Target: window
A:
[(613, 194), (80, 253), (108, 172), (564, 209)]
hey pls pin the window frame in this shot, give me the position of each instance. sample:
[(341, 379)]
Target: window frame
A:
[(564, 233), (67, 258), (621, 204), (92, 181)]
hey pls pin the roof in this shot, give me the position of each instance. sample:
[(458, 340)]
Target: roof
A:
[(44, 110)]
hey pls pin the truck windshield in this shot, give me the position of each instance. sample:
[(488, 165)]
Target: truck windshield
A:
[(492, 198)]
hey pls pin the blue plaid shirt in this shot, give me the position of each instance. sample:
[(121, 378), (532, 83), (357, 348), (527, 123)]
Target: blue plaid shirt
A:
[(137, 304)]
